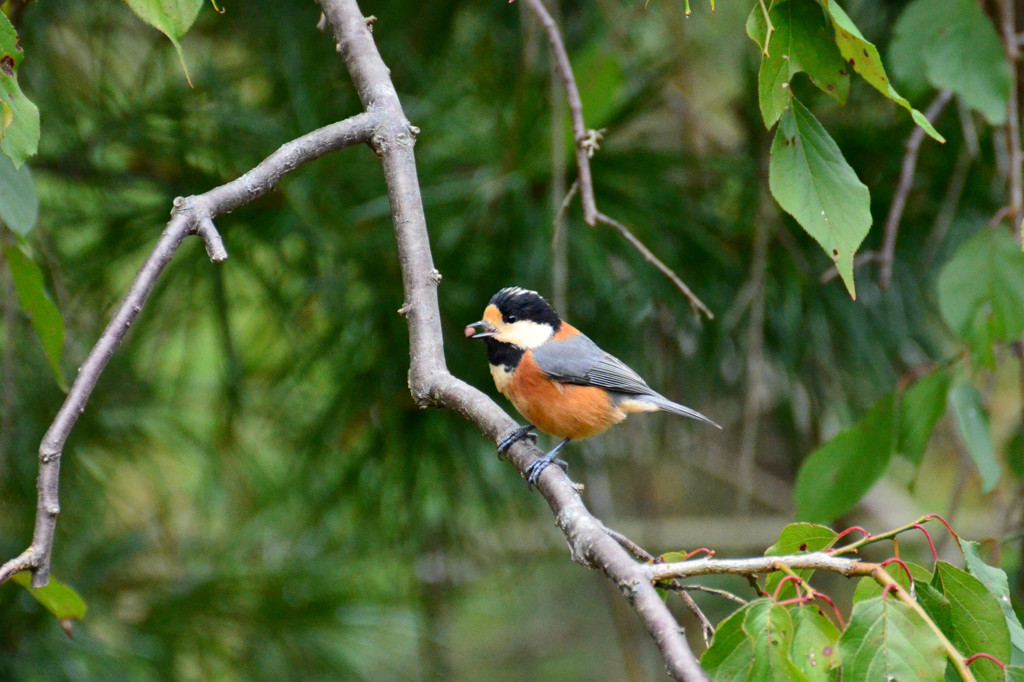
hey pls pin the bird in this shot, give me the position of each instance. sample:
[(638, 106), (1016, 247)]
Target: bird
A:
[(563, 383)]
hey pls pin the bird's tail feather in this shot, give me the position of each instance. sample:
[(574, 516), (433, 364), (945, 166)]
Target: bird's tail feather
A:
[(667, 405)]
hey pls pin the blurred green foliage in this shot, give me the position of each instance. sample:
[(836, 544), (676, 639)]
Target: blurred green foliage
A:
[(252, 494)]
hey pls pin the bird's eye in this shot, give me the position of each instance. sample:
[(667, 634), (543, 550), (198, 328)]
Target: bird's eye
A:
[(511, 318)]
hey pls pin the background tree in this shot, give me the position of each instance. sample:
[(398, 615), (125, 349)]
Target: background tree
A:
[(252, 491)]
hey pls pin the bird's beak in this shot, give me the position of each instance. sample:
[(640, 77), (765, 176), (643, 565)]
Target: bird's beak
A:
[(480, 330)]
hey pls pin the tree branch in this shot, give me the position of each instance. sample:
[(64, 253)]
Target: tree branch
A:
[(656, 262), (822, 561), (587, 141), (638, 552), (579, 130), (429, 380), (190, 215)]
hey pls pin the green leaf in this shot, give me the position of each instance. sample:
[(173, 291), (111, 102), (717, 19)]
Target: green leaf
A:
[(886, 640), (171, 17), (797, 538), (19, 205), (981, 291), (731, 654), (1014, 673), (995, 581), (815, 652), (19, 124), (921, 407), (757, 29), (978, 624), (57, 598), (801, 42), (669, 557), (936, 605), (838, 473), (812, 182), (770, 628), (36, 302), (754, 644), (972, 422), (864, 58), (954, 45)]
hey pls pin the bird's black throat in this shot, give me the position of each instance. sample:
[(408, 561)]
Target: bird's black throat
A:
[(502, 354)]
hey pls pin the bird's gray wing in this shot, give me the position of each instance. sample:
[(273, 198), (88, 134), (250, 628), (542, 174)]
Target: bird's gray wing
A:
[(578, 360)]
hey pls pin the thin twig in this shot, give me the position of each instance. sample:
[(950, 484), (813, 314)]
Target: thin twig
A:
[(707, 629), (191, 215), (725, 594), (636, 550), (586, 143), (769, 28), (559, 198), (872, 538), (695, 303), (1001, 213), (564, 206), (823, 561), (903, 187), (572, 94)]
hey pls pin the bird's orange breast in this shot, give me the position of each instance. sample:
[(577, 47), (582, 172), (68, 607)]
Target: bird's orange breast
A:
[(562, 410)]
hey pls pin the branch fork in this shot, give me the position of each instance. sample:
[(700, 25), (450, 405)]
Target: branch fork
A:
[(200, 223), (189, 216), (385, 127)]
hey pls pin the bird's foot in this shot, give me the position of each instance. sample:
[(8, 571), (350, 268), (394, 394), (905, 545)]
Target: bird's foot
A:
[(533, 471), (518, 434)]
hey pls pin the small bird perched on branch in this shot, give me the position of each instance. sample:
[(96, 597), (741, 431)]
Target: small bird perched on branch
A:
[(557, 378)]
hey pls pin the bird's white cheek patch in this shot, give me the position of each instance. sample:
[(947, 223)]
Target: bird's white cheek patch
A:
[(525, 334), (501, 377)]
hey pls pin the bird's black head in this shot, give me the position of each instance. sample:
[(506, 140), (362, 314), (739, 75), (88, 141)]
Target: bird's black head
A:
[(516, 304)]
